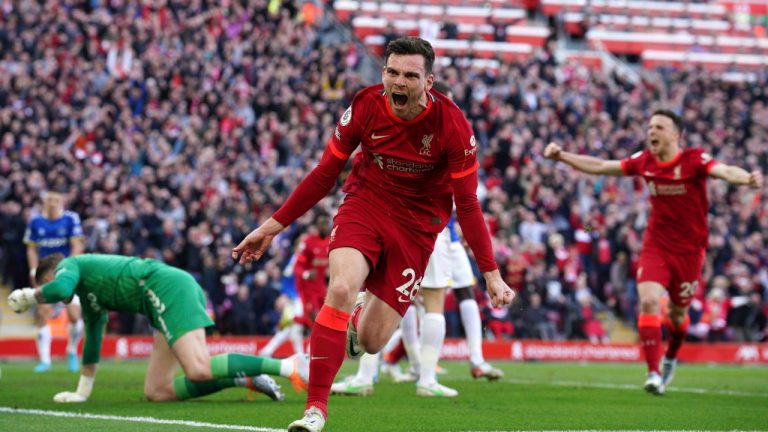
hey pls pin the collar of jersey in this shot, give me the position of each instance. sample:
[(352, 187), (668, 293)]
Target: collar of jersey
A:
[(421, 115), (670, 162)]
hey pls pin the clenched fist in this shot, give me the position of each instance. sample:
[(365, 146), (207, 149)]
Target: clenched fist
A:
[(552, 151)]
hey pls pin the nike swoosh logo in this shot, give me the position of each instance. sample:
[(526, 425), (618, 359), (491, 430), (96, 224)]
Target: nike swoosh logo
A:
[(352, 348), (318, 358), (402, 300), (375, 137)]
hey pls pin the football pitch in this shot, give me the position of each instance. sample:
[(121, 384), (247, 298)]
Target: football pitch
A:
[(532, 396)]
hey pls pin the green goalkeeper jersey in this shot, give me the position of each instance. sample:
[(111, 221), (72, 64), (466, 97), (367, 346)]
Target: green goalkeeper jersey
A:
[(104, 283)]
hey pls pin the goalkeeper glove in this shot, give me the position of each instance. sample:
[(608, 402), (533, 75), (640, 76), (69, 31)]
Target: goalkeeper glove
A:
[(22, 299), (84, 388)]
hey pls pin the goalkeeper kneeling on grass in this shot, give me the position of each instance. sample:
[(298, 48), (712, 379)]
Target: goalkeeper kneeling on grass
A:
[(174, 304)]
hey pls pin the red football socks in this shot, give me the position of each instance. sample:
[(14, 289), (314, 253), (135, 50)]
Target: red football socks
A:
[(327, 354), (676, 336), (649, 327)]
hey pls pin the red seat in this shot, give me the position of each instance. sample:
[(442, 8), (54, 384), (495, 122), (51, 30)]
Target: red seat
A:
[(710, 61), (637, 8), (636, 42), (531, 35)]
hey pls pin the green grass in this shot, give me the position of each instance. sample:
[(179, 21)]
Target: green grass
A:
[(533, 396)]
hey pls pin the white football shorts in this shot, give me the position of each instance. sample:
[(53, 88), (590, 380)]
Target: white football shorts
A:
[(448, 265)]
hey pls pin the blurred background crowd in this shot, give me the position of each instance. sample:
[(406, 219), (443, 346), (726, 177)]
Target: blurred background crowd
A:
[(175, 127)]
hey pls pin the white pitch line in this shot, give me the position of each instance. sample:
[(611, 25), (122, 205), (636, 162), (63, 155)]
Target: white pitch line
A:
[(636, 387), (632, 387), (151, 420), (600, 430)]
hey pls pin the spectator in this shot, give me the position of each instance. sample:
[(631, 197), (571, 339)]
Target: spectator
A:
[(222, 109), (536, 320)]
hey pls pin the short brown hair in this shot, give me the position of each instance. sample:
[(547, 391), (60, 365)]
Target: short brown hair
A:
[(408, 45), (442, 87), (47, 265), (676, 119)]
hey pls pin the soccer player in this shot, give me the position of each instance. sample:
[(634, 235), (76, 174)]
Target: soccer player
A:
[(675, 241), (448, 268), (310, 270), (54, 230), (174, 304), (418, 156)]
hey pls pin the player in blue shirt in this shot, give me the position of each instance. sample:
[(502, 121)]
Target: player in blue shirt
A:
[(54, 230)]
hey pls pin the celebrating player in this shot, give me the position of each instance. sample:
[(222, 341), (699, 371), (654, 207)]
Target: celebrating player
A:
[(54, 230), (675, 241), (418, 156), (448, 267), (174, 304)]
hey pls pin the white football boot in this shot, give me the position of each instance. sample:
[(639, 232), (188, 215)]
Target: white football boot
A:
[(313, 421), (654, 384), (435, 390), (352, 386)]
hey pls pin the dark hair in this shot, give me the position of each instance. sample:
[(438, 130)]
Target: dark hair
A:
[(407, 45), (47, 265), (442, 87), (320, 215), (676, 119)]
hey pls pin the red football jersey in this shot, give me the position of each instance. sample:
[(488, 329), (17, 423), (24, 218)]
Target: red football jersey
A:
[(312, 255), (678, 189), (405, 167)]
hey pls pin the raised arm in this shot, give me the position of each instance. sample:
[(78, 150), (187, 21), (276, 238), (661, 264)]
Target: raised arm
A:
[(584, 163), (736, 175)]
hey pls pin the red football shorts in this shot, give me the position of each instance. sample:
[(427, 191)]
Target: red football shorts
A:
[(312, 296), (678, 273), (397, 254)]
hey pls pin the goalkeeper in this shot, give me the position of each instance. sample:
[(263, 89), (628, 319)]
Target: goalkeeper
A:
[(174, 304)]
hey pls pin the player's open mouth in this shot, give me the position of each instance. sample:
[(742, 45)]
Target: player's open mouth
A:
[(654, 142), (399, 99)]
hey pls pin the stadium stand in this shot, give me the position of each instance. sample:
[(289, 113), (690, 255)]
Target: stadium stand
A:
[(179, 126)]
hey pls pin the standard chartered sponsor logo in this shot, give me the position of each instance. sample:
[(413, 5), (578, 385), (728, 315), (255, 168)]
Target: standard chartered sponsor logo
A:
[(408, 167), (666, 189), (576, 352)]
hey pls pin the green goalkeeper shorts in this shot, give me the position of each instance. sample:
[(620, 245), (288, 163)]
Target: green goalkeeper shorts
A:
[(175, 303)]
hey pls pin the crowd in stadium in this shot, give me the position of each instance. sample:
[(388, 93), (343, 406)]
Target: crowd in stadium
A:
[(174, 129)]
